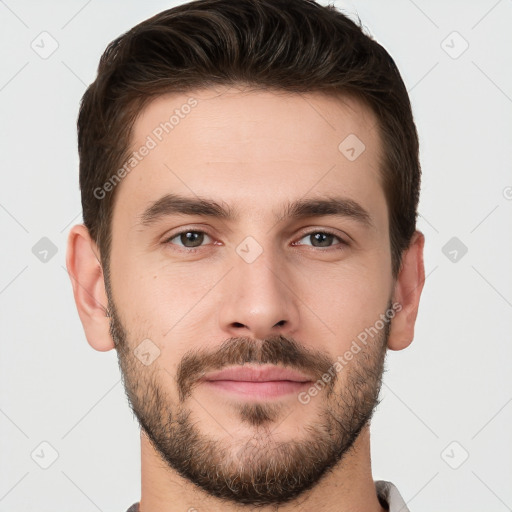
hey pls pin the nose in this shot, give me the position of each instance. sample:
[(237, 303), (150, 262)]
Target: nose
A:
[(258, 299)]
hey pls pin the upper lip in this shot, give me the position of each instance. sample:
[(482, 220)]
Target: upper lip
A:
[(259, 373)]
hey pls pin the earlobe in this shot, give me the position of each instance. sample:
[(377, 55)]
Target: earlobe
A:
[(407, 292), (87, 279)]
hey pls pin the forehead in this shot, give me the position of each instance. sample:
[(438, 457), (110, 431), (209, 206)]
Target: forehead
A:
[(253, 149)]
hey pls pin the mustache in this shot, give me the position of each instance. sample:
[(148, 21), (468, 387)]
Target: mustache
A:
[(277, 350)]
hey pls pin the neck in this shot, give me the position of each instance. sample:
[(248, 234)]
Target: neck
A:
[(348, 487)]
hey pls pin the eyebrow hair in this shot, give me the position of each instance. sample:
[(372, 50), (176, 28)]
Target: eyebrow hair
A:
[(170, 204)]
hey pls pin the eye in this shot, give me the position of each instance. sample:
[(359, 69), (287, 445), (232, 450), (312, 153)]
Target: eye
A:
[(189, 239), (321, 239), (192, 239)]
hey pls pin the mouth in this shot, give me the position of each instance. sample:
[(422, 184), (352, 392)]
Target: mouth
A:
[(257, 382)]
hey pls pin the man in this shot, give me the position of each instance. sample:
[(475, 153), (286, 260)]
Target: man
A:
[(250, 178)]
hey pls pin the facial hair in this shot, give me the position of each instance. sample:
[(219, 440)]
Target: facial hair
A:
[(257, 470)]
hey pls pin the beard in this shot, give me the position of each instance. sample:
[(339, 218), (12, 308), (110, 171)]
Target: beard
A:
[(258, 469)]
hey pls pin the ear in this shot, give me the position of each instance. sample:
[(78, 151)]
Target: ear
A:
[(84, 269), (407, 291)]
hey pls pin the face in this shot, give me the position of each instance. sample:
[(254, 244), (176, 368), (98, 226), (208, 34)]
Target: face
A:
[(250, 286)]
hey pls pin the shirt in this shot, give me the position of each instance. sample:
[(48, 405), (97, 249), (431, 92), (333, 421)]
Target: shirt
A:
[(388, 496)]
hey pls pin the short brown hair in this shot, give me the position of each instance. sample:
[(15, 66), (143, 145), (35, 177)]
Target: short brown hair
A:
[(288, 45)]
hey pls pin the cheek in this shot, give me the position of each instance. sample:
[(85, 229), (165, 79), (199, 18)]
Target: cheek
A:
[(154, 307), (164, 301), (142, 284), (349, 301)]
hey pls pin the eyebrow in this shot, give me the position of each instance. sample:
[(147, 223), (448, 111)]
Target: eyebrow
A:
[(174, 204)]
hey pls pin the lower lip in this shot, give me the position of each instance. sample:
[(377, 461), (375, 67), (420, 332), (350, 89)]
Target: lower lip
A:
[(269, 389)]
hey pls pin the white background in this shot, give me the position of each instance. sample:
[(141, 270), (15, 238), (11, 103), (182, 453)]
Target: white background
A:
[(452, 385)]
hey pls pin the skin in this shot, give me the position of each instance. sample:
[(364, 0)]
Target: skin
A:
[(254, 151)]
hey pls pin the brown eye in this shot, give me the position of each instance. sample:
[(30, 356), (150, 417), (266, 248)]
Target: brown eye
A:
[(188, 239)]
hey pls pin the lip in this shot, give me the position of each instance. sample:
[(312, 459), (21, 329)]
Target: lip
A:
[(261, 381), (260, 373)]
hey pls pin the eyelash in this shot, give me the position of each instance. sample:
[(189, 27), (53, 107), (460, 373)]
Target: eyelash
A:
[(342, 243)]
